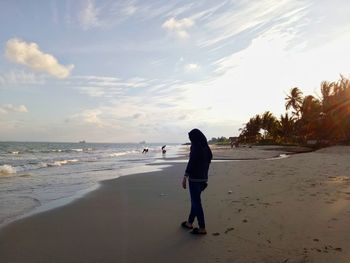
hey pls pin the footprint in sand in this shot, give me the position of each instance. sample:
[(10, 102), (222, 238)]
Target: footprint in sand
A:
[(216, 234), (229, 229)]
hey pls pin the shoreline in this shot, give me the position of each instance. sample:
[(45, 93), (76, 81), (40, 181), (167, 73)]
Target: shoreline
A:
[(30, 192), (66, 200), (158, 164), (294, 209)]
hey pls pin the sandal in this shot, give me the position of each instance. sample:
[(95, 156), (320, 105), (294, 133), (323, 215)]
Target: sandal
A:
[(184, 225), (196, 231)]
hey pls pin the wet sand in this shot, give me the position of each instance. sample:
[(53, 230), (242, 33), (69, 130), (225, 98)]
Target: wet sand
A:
[(294, 209)]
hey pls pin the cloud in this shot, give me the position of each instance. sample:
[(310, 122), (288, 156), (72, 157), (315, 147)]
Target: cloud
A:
[(10, 108), (92, 117), (89, 116), (178, 27), (88, 15), (129, 9), (106, 14), (136, 115), (92, 91), (21, 78), (248, 17), (192, 67), (107, 87), (30, 55)]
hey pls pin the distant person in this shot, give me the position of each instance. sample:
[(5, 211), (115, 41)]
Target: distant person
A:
[(163, 149), (145, 150), (197, 175)]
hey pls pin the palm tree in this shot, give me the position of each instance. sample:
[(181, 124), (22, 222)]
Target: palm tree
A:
[(326, 91), (269, 124), (294, 100), (310, 107), (338, 113), (310, 113), (251, 130), (287, 127)]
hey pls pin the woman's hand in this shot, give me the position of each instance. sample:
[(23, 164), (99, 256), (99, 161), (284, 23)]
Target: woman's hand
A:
[(184, 182)]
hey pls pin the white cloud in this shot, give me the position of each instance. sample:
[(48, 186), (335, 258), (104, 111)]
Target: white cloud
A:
[(11, 108), (92, 91), (178, 27), (107, 87), (106, 14), (92, 117), (88, 15), (222, 27), (30, 55), (129, 9), (261, 74), (89, 116), (21, 78), (192, 67)]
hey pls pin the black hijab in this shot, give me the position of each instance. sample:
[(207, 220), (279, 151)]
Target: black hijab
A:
[(200, 142)]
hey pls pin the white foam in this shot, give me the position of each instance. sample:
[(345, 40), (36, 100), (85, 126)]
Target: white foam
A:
[(7, 170), (117, 154), (77, 150), (60, 163), (122, 153)]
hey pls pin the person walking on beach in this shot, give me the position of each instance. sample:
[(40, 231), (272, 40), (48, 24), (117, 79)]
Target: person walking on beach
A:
[(197, 175)]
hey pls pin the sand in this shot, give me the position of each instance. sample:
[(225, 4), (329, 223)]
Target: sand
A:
[(294, 209)]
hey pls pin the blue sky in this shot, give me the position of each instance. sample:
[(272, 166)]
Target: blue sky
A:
[(128, 71)]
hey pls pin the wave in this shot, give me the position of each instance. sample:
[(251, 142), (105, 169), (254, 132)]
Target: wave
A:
[(77, 150), (40, 165), (60, 163), (122, 153), (36, 151), (7, 169)]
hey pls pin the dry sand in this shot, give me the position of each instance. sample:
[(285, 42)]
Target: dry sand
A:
[(295, 209)]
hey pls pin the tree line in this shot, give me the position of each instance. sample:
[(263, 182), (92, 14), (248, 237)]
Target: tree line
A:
[(324, 119), (219, 140)]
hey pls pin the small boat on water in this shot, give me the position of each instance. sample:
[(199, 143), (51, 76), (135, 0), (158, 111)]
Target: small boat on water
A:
[(83, 141)]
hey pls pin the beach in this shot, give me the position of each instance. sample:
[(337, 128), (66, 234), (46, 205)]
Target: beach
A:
[(259, 207)]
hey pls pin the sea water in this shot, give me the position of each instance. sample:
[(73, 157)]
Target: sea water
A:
[(36, 174)]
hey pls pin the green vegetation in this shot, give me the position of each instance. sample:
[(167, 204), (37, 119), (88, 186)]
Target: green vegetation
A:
[(324, 120), (220, 141)]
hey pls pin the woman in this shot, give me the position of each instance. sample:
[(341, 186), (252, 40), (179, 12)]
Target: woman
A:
[(197, 175)]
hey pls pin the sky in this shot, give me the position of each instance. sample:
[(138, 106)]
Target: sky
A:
[(151, 70)]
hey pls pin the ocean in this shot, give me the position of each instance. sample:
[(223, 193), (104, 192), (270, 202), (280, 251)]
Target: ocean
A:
[(36, 176)]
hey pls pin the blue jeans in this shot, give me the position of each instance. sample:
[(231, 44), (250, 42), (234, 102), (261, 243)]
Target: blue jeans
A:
[(196, 189)]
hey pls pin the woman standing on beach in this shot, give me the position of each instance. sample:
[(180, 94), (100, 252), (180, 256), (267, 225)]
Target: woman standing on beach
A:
[(197, 175)]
